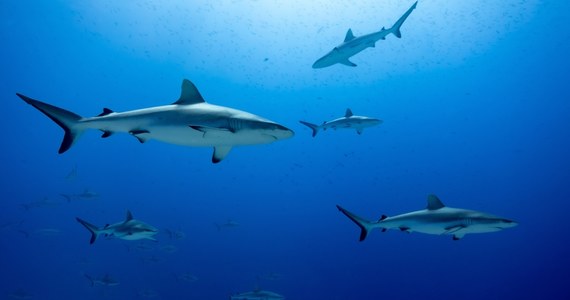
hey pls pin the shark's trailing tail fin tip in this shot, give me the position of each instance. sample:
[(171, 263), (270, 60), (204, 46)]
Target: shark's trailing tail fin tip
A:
[(365, 225), (313, 127), (92, 228), (65, 119)]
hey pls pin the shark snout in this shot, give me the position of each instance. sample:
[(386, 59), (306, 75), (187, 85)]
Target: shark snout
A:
[(281, 132)]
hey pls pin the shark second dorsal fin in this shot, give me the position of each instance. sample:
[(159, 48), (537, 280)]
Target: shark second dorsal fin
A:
[(349, 36), (348, 113), (129, 216), (189, 94), (434, 203)]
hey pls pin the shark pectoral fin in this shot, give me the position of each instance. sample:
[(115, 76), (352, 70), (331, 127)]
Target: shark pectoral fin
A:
[(140, 134), (347, 62), (220, 153)]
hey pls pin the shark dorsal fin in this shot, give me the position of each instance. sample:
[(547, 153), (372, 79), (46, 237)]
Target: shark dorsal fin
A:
[(129, 216), (105, 112), (189, 94), (434, 203), (348, 113), (349, 36)]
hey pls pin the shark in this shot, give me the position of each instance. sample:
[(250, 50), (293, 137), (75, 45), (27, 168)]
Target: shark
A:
[(353, 45), (129, 229), (189, 121), (436, 219), (103, 281), (257, 294), (348, 121), (86, 194)]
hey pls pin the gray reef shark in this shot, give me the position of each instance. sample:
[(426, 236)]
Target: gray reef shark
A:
[(353, 45), (435, 219), (86, 194), (103, 281), (257, 294), (189, 121), (129, 229), (348, 121)]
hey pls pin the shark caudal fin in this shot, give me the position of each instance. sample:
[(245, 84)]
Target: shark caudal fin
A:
[(65, 119), (92, 228), (365, 225), (314, 127), (396, 28)]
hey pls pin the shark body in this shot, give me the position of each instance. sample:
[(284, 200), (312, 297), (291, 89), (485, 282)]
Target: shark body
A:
[(349, 121), (257, 294), (189, 121), (435, 219), (103, 281), (353, 45), (129, 229)]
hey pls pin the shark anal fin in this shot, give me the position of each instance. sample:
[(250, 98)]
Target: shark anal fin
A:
[(404, 228), (139, 134), (457, 237), (220, 152), (384, 229)]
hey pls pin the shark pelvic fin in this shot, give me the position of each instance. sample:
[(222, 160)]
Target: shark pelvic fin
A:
[(65, 119), (220, 152), (433, 203), (349, 36), (189, 94), (365, 225)]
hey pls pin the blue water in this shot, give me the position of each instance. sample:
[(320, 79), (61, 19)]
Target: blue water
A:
[(475, 104)]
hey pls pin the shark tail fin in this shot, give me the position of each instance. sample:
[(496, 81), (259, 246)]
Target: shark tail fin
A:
[(396, 28), (92, 228), (314, 127), (365, 225), (65, 119)]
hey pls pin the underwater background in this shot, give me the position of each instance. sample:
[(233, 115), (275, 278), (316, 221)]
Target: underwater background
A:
[(475, 103)]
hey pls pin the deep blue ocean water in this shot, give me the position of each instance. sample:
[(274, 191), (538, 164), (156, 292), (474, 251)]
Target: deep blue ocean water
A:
[(475, 103)]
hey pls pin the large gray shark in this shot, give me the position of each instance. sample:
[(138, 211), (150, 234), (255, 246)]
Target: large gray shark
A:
[(189, 121), (129, 229), (348, 121), (435, 219), (353, 45)]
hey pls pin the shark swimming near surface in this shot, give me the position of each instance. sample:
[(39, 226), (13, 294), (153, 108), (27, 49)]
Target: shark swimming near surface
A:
[(129, 229), (189, 121), (435, 219), (353, 45), (349, 121)]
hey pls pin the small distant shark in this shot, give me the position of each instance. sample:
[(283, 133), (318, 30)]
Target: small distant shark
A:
[(435, 219), (353, 45), (348, 121), (86, 194), (257, 294), (129, 229), (228, 224), (189, 121), (103, 281)]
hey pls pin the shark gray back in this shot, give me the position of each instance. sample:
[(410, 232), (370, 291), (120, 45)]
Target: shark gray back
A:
[(129, 229), (349, 121)]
